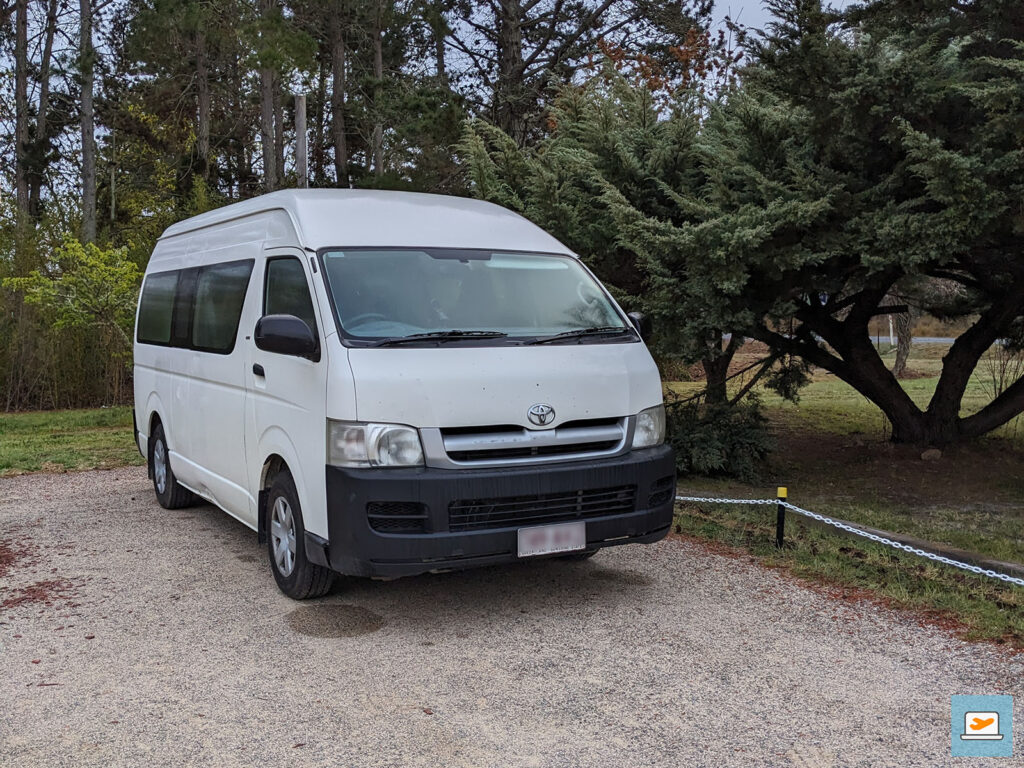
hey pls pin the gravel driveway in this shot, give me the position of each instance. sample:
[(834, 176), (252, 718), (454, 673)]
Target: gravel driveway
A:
[(134, 636)]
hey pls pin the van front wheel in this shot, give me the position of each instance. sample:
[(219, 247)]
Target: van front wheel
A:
[(296, 576)]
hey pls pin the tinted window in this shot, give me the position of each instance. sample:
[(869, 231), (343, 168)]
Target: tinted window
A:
[(287, 292), (156, 308), (220, 292)]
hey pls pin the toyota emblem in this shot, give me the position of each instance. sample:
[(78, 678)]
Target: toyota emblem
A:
[(541, 414)]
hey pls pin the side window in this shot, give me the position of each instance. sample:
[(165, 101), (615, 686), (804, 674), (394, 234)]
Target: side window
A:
[(156, 308), (286, 291), (219, 295)]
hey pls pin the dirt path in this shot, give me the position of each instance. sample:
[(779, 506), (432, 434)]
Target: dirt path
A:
[(134, 636)]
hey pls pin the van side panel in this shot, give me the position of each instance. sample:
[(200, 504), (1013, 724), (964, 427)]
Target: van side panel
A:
[(200, 396)]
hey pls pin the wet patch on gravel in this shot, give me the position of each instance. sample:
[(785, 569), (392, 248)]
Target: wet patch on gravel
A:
[(334, 620), (633, 578), (247, 558)]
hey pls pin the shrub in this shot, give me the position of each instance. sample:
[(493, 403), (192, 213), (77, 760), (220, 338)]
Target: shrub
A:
[(718, 440)]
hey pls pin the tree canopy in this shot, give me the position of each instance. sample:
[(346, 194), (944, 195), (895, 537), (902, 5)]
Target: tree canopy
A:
[(848, 166), (864, 155)]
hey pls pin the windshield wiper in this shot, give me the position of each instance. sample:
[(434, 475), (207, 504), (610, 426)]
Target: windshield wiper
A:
[(439, 336), (581, 333)]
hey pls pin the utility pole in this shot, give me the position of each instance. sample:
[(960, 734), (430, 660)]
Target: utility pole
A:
[(301, 151)]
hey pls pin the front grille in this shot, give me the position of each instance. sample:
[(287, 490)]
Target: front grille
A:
[(474, 514), (509, 444), (546, 450), (397, 516)]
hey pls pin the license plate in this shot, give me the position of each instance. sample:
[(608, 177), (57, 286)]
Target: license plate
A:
[(549, 539)]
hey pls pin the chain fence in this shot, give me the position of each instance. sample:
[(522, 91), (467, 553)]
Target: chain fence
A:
[(858, 532)]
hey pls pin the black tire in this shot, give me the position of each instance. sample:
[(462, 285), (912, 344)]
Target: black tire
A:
[(577, 557), (174, 495), (305, 579)]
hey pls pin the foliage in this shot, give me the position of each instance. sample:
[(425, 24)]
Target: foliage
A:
[(67, 337), (863, 155), (88, 288), (718, 440)]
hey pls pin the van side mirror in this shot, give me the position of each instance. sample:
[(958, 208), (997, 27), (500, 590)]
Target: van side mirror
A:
[(285, 335), (642, 323)]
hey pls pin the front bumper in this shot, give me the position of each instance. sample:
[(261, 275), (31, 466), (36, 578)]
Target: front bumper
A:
[(356, 549)]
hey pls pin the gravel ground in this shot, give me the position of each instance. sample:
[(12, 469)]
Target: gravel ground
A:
[(165, 642)]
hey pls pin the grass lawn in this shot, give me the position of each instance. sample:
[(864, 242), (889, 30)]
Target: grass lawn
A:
[(833, 454), (55, 441)]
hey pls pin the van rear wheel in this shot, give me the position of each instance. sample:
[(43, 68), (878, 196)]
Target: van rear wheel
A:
[(295, 575), (169, 492)]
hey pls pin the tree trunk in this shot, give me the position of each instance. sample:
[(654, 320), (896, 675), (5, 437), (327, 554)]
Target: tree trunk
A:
[(317, 157), (87, 55), (716, 373), (203, 98), (338, 100), (267, 115), (267, 130), (716, 369), (439, 31), (904, 330), (378, 76), (41, 142), (279, 130), (510, 98), (301, 149), (21, 109)]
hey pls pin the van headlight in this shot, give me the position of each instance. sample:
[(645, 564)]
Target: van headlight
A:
[(650, 427), (359, 444)]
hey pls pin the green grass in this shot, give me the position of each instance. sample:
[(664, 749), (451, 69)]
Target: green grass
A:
[(981, 608), (67, 440), (833, 454)]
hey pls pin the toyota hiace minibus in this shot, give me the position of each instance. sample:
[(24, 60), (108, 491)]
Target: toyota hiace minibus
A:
[(385, 384)]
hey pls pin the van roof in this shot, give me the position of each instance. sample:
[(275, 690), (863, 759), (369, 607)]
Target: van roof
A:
[(364, 217)]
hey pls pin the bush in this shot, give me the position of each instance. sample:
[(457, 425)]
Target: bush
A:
[(719, 440), (674, 368)]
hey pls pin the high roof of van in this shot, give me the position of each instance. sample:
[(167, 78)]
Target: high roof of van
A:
[(360, 217)]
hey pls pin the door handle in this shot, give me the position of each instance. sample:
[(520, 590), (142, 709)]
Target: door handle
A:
[(258, 369)]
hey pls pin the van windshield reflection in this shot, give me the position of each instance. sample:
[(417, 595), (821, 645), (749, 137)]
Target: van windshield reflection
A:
[(398, 296)]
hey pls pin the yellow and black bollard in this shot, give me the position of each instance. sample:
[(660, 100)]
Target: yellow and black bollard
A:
[(780, 517)]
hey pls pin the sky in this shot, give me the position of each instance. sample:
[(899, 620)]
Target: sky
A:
[(751, 13)]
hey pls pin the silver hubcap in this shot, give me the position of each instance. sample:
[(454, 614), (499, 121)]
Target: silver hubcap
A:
[(282, 536), (160, 466)]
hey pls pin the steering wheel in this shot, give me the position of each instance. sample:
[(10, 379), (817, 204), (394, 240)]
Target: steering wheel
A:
[(366, 316)]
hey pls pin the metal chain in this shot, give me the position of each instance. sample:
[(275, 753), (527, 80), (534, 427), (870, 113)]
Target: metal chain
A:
[(865, 534)]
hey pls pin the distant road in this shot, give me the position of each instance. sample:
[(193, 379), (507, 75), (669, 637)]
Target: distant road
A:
[(917, 340)]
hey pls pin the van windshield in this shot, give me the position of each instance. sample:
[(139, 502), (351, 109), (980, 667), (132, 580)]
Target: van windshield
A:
[(382, 293)]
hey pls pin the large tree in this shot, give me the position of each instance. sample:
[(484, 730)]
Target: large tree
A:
[(868, 154)]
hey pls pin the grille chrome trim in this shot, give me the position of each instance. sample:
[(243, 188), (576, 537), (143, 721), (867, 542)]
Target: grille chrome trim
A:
[(579, 442)]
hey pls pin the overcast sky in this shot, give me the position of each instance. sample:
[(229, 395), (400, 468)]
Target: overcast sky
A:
[(751, 13)]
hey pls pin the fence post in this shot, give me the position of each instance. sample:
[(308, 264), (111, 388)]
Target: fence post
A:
[(780, 517)]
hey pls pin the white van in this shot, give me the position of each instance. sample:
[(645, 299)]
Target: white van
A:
[(384, 384)]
